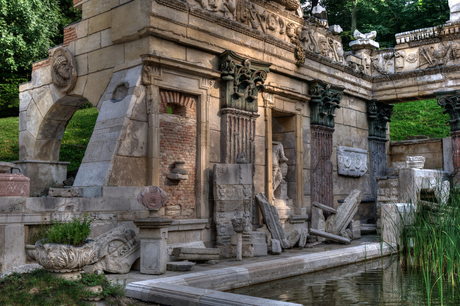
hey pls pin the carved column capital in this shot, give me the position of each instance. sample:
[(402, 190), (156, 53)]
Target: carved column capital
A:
[(325, 99), (378, 115), (242, 80), (450, 101)]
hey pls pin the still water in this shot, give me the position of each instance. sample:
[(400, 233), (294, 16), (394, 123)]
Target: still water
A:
[(376, 282)]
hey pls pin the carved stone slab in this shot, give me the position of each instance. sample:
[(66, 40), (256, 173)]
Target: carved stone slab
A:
[(272, 220), (351, 161), (330, 236)]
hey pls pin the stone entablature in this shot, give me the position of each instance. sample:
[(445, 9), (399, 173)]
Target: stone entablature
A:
[(428, 35)]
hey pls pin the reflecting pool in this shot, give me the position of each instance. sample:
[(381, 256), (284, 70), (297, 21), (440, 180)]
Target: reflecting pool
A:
[(376, 282)]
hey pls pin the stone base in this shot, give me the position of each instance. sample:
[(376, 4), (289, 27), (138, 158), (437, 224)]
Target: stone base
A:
[(14, 185), (229, 251), (43, 174)]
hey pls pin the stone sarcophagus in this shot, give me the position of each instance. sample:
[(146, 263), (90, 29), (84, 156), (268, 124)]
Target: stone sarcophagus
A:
[(351, 161)]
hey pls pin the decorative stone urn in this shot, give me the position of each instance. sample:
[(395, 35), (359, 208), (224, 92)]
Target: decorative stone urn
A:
[(64, 258)]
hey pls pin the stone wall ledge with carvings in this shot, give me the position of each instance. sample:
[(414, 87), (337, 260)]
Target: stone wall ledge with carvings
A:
[(428, 33), (287, 92)]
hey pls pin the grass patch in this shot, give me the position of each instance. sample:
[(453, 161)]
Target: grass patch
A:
[(431, 246), (77, 136), (74, 141), (418, 118), (42, 288)]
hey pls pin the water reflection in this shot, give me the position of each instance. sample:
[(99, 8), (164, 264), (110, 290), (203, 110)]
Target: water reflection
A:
[(376, 282)]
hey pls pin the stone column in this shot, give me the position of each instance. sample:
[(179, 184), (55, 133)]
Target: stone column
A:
[(153, 234), (153, 111), (378, 115), (241, 82), (269, 101), (450, 101), (325, 99)]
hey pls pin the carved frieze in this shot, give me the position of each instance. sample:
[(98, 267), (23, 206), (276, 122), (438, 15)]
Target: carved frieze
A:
[(450, 101), (435, 56), (63, 70), (325, 99), (351, 161), (384, 63), (378, 115)]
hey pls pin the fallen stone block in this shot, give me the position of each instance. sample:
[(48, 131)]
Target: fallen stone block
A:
[(293, 238), (196, 254), (355, 228), (336, 223), (180, 266), (318, 221), (303, 238), (259, 243), (330, 236), (276, 247), (272, 220), (324, 207)]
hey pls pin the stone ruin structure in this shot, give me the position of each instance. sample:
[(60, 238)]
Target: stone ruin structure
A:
[(190, 89)]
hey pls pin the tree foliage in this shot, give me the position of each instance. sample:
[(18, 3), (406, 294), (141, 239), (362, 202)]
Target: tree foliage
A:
[(28, 28)]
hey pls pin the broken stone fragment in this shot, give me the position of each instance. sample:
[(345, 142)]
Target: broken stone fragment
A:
[(336, 223), (330, 236), (293, 238), (272, 220)]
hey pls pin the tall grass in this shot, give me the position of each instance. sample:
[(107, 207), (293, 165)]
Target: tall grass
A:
[(431, 245)]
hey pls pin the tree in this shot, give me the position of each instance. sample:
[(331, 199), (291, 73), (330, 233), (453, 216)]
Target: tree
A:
[(28, 28)]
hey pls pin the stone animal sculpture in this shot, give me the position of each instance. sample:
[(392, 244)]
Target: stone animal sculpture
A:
[(368, 36)]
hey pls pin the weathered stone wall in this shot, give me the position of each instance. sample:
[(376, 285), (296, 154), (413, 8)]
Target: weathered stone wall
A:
[(431, 149), (178, 143)]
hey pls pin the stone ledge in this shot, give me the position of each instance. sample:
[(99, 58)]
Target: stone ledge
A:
[(156, 290), (188, 225)]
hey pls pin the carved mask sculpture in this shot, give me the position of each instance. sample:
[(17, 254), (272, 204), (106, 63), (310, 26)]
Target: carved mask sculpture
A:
[(456, 50), (63, 70)]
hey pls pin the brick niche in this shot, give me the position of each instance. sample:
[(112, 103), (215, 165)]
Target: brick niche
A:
[(178, 131)]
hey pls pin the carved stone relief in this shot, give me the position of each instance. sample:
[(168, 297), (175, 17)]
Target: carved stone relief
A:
[(436, 56), (351, 161), (384, 63), (63, 70)]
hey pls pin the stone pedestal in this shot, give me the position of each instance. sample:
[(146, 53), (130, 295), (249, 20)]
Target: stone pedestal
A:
[(153, 234), (43, 174), (14, 185)]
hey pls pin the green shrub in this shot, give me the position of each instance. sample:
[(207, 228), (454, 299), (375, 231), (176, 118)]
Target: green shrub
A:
[(73, 232)]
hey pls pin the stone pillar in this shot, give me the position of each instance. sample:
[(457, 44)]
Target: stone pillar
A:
[(322, 189), (241, 82), (378, 115), (153, 110), (325, 99), (269, 101), (153, 234), (450, 101)]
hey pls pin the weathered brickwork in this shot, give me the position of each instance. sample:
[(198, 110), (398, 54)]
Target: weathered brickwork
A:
[(178, 143), (69, 35), (40, 64)]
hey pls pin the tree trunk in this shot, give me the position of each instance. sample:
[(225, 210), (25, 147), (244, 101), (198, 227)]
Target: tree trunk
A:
[(354, 15)]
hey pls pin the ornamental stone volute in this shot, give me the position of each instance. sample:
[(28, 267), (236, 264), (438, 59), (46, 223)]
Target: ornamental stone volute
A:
[(63, 70)]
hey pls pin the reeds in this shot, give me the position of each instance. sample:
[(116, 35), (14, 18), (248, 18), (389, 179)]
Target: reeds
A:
[(431, 245)]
